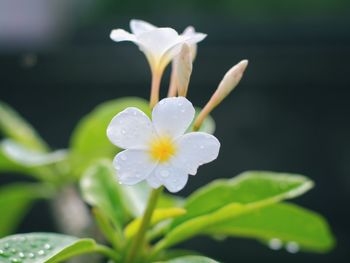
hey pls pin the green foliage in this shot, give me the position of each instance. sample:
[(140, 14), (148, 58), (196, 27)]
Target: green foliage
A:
[(226, 199), (43, 247), (15, 201), (248, 205), (192, 259), (13, 126), (100, 189), (279, 224), (159, 215), (89, 141)]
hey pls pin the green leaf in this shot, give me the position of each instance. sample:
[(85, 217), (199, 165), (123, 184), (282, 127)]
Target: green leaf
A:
[(89, 141), (192, 259), (13, 126), (28, 157), (100, 189), (207, 126), (280, 224), (8, 165), (225, 199), (15, 201), (43, 247), (158, 216)]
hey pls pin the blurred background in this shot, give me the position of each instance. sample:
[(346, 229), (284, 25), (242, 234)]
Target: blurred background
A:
[(290, 113)]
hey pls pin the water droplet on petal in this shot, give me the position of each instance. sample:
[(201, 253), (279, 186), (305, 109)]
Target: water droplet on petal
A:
[(275, 244), (162, 102), (164, 173), (21, 255), (41, 252), (292, 247), (47, 246), (31, 255), (15, 260)]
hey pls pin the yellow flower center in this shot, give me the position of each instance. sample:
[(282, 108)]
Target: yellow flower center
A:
[(162, 149)]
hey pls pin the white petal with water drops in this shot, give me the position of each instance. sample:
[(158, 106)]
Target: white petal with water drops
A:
[(173, 116), (173, 178), (195, 149), (133, 166), (130, 128)]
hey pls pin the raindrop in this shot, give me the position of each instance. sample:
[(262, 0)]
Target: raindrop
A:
[(164, 173), (21, 255), (3, 253), (47, 246), (31, 255), (275, 244), (41, 252), (15, 260), (292, 247)]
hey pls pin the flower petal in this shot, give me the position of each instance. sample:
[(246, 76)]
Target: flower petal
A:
[(131, 128), (195, 149), (158, 41), (139, 26), (133, 166), (122, 35), (173, 178), (172, 116)]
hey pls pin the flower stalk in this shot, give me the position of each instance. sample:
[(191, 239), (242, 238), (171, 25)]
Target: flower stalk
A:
[(155, 86), (146, 219), (226, 86)]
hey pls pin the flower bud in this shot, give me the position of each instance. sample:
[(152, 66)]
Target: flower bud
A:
[(227, 84), (183, 70)]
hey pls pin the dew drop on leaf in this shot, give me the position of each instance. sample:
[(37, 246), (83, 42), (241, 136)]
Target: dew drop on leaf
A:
[(275, 244), (292, 247)]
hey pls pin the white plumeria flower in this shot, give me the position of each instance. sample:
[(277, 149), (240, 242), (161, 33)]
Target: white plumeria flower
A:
[(160, 44), (159, 151)]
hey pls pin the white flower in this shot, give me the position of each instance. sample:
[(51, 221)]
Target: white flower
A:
[(159, 151), (160, 44)]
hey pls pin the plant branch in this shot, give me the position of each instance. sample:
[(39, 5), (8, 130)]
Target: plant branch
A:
[(139, 239)]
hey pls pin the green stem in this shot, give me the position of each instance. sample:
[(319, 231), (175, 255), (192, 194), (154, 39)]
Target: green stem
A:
[(139, 239), (110, 253)]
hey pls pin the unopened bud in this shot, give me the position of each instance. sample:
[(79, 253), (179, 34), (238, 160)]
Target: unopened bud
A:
[(227, 84), (183, 70)]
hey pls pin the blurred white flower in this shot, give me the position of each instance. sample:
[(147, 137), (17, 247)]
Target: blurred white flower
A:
[(159, 44), (159, 151)]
